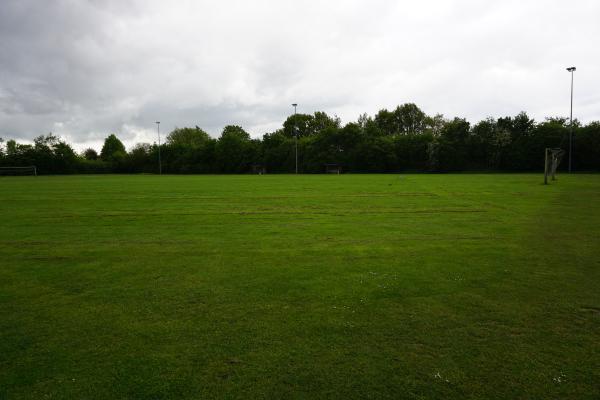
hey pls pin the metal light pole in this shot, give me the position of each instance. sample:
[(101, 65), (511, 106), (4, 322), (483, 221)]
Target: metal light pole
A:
[(159, 161), (571, 70), (296, 134)]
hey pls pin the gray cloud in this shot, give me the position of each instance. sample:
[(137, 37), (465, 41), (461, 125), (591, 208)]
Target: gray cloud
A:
[(85, 69)]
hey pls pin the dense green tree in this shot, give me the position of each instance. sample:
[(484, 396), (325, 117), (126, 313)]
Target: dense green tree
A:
[(328, 147), (90, 154), (235, 152), (52, 155), (410, 119), (435, 124), (452, 145), (386, 122), (405, 119), (374, 154), (189, 137), (65, 158), (411, 151), (143, 157), (189, 150), (586, 147), (489, 144), (278, 152), (11, 148), (234, 131), (307, 125), (113, 149), (527, 147)]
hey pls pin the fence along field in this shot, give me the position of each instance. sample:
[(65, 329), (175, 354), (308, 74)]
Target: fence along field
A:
[(444, 286)]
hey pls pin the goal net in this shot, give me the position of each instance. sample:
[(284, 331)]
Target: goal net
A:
[(553, 157), (17, 171)]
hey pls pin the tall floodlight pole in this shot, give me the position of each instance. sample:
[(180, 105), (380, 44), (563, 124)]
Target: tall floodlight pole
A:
[(296, 135), (159, 161), (571, 70)]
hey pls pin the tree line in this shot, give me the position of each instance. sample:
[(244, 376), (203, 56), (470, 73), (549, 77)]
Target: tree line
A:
[(403, 139)]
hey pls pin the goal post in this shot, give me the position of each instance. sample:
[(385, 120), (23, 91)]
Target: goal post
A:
[(552, 158), (18, 171)]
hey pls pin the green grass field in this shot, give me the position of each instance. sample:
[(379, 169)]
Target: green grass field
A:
[(350, 286)]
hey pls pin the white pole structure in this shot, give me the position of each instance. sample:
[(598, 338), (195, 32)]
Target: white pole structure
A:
[(571, 70), (546, 151), (296, 135), (159, 160)]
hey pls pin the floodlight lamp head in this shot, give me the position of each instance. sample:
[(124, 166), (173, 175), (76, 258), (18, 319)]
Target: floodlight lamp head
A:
[(571, 69), (294, 104), (157, 122)]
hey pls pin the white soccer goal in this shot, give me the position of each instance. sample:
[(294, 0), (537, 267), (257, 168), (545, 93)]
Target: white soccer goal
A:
[(30, 170), (552, 159)]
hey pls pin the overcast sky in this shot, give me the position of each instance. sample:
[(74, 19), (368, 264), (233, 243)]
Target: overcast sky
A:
[(84, 69)]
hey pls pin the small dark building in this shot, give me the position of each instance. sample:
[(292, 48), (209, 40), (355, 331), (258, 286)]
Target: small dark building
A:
[(333, 169)]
